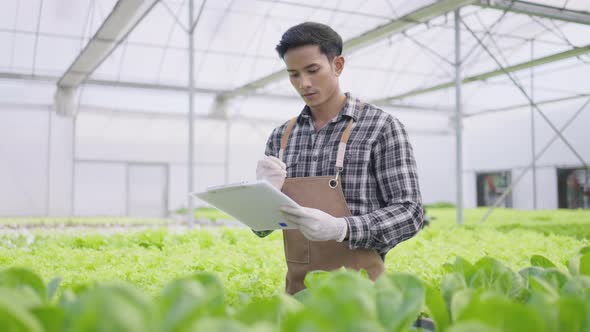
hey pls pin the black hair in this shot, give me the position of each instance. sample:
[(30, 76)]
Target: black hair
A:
[(311, 33)]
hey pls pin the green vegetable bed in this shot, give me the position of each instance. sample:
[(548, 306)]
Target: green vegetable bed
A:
[(249, 272)]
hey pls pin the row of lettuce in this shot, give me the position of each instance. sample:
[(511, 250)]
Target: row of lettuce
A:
[(483, 296)]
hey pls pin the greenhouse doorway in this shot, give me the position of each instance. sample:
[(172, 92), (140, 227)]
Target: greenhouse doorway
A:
[(147, 190), (573, 188), (490, 186)]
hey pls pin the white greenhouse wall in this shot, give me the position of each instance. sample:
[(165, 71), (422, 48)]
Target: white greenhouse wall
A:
[(61, 166), (502, 141), (23, 170), (435, 158), (104, 138), (100, 189), (40, 175), (35, 162)]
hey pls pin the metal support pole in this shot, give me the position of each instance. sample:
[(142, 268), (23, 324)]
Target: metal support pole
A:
[(191, 85), (537, 156), (586, 188), (48, 168), (526, 95), (227, 145), (543, 116), (533, 142), (458, 120), (73, 184), (127, 189)]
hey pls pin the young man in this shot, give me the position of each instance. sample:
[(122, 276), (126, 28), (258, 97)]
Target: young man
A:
[(347, 163)]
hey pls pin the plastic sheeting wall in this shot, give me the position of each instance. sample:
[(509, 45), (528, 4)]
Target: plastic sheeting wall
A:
[(246, 147), (113, 188), (434, 154), (100, 189), (436, 167), (493, 142), (61, 155), (23, 166), (35, 162), (502, 141)]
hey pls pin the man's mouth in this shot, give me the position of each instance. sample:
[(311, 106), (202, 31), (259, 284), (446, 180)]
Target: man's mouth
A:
[(309, 94)]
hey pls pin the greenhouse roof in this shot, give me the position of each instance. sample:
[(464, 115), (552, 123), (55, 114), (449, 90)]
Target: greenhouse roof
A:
[(399, 53)]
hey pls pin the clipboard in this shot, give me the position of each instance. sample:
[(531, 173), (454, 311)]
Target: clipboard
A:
[(256, 204)]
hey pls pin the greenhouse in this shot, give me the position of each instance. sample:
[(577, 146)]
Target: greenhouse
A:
[(112, 112)]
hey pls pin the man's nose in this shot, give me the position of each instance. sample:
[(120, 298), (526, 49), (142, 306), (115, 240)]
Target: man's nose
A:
[(304, 82)]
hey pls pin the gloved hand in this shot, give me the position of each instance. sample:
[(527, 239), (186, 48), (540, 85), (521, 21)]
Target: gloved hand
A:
[(273, 170), (316, 225)]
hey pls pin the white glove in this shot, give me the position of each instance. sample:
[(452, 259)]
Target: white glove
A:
[(316, 225), (273, 170)]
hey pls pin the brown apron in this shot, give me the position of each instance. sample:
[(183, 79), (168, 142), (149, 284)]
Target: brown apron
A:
[(323, 193)]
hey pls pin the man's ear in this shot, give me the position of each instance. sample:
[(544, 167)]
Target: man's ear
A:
[(338, 63)]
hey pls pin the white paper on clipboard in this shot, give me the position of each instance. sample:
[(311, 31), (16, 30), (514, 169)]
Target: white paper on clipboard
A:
[(256, 204)]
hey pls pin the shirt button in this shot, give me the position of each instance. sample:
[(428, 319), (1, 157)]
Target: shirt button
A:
[(314, 158)]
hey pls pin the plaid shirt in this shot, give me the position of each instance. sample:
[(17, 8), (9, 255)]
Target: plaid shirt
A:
[(379, 179)]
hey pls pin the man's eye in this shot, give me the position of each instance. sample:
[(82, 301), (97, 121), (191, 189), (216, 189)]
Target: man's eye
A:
[(294, 75), (312, 70)]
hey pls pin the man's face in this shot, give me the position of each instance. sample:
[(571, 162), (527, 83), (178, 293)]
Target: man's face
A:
[(314, 76)]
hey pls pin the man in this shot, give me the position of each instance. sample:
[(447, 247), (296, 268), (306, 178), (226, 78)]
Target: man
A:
[(347, 163)]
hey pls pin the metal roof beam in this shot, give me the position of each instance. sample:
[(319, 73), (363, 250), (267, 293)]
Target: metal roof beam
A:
[(122, 84), (398, 25), (521, 106), (136, 85), (92, 109), (121, 21), (142, 114), (494, 73), (533, 9)]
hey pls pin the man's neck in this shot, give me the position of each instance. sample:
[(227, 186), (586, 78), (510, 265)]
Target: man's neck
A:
[(322, 114)]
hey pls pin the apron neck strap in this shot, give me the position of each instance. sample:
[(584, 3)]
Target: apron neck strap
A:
[(341, 146), (343, 141), (286, 136)]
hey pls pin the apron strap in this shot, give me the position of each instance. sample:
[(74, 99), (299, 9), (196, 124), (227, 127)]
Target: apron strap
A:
[(341, 146), (343, 141), (286, 136)]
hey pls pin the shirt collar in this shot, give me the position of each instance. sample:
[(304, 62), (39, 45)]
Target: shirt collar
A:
[(350, 109)]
